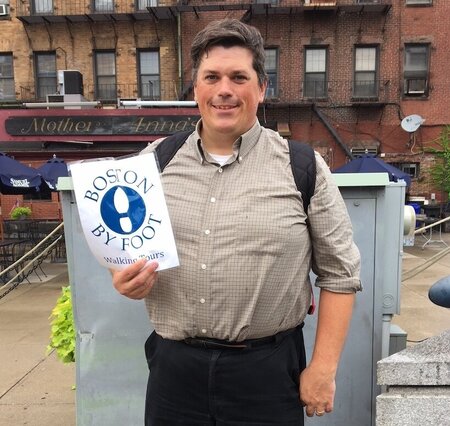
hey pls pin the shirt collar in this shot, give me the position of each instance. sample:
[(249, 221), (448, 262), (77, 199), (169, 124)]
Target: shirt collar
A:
[(241, 147)]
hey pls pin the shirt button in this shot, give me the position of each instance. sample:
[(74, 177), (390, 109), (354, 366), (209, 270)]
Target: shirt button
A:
[(240, 158), (204, 330), (220, 170), (203, 266), (213, 200), (207, 232), (202, 300)]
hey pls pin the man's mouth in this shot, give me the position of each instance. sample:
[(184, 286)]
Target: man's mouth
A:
[(224, 107)]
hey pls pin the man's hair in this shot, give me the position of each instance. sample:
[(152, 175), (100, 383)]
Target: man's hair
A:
[(229, 33)]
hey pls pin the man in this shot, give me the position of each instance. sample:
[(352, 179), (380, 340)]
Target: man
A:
[(228, 345)]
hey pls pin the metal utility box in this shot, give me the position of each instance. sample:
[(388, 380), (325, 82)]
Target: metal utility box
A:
[(111, 370)]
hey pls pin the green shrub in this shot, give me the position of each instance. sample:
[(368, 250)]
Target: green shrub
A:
[(62, 337), (20, 212)]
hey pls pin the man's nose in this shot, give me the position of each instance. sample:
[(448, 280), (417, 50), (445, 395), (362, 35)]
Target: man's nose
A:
[(225, 88)]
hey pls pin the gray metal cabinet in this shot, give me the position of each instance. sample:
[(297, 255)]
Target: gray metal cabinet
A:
[(111, 368)]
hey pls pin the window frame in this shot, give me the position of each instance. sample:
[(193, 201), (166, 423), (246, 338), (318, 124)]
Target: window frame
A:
[(110, 6), (8, 78), (138, 7), (98, 91), (45, 10), (325, 74), (141, 74), (375, 72), (274, 72), (405, 167), (409, 75), (418, 2), (38, 76)]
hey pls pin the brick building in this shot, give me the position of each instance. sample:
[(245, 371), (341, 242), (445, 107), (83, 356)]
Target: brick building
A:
[(343, 74)]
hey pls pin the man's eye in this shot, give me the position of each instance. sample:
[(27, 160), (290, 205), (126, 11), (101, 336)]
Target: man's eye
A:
[(240, 77), (211, 77)]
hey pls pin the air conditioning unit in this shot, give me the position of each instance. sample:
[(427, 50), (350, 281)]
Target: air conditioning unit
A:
[(70, 82), (3, 10)]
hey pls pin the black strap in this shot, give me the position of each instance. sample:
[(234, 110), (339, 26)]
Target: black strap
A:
[(303, 162), (167, 149)]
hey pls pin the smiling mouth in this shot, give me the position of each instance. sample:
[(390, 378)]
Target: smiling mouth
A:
[(224, 107)]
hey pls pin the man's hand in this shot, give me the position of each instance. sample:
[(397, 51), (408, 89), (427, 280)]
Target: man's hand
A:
[(317, 389), (317, 381), (136, 280)]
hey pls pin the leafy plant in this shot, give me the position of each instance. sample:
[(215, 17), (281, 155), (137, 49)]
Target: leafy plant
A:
[(20, 212), (440, 172), (62, 337)]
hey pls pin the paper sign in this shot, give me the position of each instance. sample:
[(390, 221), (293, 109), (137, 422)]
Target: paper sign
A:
[(123, 211)]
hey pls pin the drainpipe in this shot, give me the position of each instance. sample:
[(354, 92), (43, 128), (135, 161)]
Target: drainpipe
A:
[(333, 132), (180, 56)]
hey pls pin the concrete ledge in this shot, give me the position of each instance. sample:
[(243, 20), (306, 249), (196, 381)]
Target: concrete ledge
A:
[(420, 409), (425, 364)]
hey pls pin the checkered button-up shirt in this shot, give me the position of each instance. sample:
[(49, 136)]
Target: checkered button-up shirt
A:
[(243, 242)]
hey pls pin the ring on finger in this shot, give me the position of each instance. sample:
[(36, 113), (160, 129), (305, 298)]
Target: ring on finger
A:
[(320, 413)]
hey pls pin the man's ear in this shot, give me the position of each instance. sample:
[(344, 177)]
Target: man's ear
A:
[(263, 89)]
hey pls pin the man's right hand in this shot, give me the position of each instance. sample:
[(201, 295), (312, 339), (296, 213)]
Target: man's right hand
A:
[(136, 280)]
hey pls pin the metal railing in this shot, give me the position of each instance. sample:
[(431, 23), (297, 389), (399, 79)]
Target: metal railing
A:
[(82, 7), (335, 92), (32, 260), (169, 90), (88, 7)]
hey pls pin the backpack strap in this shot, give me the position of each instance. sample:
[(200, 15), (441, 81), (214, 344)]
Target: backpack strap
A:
[(303, 164), (167, 149)]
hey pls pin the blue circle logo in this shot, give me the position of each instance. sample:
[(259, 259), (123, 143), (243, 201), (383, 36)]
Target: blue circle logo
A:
[(123, 210)]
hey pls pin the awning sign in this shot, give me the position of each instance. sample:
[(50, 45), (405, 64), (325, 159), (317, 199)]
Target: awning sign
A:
[(123, 211)]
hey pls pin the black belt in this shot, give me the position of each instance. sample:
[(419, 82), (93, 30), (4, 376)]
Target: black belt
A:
[(210, 343)]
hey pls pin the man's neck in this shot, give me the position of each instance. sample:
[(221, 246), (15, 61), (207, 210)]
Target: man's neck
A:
[(217, 143)]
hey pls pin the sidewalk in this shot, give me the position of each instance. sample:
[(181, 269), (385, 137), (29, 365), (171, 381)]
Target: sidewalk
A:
[(419, 317), (36, 389)]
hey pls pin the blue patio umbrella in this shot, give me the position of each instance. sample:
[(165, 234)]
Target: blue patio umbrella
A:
[(17, 178), (371, 164), (52, 170)]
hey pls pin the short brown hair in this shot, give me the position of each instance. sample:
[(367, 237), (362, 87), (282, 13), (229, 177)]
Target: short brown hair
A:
[(228, 33)]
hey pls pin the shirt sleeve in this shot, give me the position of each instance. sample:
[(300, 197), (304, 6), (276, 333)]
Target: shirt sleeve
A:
[(335, 257)]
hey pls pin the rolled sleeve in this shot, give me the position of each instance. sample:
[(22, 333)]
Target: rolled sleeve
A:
[(335, 257)]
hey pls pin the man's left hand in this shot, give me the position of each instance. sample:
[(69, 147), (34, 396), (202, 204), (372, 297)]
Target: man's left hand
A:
[(317, 389)]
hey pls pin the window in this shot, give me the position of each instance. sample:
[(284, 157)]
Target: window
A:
[(271, 66), (7, 91), (419, 2), (143, 4), (46, 84), (315, 85), (415, 71), (42, 6), (103, 5), (43, 195), (105, 75), (365, 83), (149, 78), (411, 168)]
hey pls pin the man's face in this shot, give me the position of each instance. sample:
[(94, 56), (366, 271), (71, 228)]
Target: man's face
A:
[(227, 92)]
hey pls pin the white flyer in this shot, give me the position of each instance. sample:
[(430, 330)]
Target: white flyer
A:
[(123, 211)]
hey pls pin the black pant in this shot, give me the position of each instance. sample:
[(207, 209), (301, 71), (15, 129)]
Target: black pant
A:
[(224, 387)]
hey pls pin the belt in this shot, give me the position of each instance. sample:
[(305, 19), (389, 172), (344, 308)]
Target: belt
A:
[(210, 343)]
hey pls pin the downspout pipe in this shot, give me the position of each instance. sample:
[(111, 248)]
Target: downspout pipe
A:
[(333, 132)]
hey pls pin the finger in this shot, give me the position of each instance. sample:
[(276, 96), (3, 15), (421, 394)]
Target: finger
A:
[(139, 291), (310, 410)]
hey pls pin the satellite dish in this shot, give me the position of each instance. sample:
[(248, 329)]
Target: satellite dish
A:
[(412, 122)]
